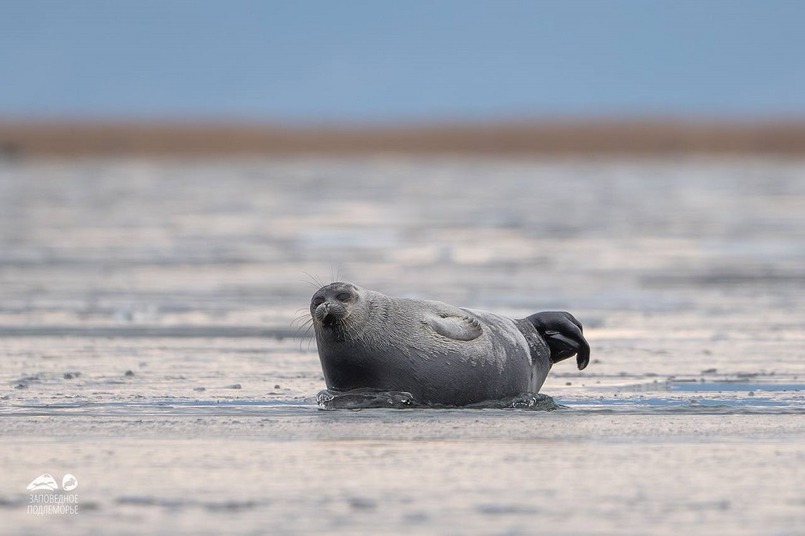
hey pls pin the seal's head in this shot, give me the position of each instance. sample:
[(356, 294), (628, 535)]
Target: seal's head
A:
[(337, 309)]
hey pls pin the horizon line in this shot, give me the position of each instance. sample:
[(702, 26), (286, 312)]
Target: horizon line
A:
[(523, 136)]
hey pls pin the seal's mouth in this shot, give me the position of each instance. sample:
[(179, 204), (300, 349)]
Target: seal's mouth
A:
[(330, 321), (330, 314)]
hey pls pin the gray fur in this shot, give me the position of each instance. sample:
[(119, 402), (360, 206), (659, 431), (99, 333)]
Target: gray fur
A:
[(439, 353)]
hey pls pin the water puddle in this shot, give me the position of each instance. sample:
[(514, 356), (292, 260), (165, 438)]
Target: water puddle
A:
[(160, 408), (735, 386), (375, 398), (697, 396), (672, 396)]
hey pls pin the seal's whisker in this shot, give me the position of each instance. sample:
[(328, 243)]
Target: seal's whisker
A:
[(301, 318), (303, 329), (351, 330), (313, 281), (335, 272)]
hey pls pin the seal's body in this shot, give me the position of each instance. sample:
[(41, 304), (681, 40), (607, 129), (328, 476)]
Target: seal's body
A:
[(442, 355)]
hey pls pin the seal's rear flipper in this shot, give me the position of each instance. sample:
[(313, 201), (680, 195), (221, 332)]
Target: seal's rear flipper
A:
[(564, 336)]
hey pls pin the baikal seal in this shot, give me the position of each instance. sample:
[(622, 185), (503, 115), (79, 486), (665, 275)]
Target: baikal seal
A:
[(442, 355)]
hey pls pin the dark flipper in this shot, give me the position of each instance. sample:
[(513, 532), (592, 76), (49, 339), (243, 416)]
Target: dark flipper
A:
[(564, 336)]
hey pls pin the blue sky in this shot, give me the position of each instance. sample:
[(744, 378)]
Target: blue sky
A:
[(359, 61)]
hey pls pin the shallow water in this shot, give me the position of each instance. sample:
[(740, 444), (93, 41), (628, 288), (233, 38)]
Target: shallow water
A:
[(149, 345)]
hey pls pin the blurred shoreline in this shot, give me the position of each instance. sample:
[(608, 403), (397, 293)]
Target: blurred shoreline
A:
[(78, 138)]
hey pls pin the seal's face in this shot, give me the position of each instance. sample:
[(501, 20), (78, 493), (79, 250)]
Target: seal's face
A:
[(342, 314), (332, 306)]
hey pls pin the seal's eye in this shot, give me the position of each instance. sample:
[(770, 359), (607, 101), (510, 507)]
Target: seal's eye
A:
[(318, 300), (343, 296)]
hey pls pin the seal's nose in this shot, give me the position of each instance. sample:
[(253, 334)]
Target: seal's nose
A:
[(322, 310)]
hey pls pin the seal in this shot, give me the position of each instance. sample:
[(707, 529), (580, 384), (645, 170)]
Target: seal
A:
[(441, 354)]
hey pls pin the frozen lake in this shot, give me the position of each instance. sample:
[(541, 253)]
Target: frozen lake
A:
[(151, 346)]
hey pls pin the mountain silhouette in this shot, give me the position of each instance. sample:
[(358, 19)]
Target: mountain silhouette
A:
[(43, 482)]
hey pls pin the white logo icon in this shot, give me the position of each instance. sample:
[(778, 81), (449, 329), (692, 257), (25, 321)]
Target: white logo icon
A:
[(45, 482), (56, 502), (69, 482)]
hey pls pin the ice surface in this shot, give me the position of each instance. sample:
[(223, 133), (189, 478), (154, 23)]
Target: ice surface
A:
[(148, 345)]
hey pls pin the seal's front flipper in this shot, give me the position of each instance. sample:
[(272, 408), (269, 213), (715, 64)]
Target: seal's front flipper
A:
[(564, 336), (458, 328)]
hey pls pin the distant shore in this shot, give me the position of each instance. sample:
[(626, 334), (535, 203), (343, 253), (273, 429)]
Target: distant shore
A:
[(33, 139)]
